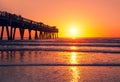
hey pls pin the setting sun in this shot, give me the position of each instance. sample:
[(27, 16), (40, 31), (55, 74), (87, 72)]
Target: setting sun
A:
[(74, 31)]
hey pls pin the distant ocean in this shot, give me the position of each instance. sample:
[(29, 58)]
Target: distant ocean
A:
[(60, 60)]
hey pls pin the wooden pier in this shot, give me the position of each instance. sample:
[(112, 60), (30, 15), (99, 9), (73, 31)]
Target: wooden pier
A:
[(12, 22)]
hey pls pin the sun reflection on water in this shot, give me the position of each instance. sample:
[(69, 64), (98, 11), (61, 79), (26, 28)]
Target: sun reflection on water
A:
[(73, 48), (74, 69), (73, 58), (75, 74)]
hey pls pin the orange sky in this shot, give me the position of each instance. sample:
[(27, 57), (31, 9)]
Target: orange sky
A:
[(92, 18)]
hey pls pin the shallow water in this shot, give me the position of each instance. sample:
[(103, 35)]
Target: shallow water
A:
[(59, 74), (60, 60)]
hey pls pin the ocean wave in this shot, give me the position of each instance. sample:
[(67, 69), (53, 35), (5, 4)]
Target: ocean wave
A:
[(62, 44), (65, 40), (61, 50), (109, 64)]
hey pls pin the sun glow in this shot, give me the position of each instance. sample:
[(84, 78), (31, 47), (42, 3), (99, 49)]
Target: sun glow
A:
[(74, 31)]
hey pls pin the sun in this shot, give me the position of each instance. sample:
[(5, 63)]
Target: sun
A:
[(74, 32)]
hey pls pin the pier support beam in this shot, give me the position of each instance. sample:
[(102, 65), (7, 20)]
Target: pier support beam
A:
[(14, 33), (21, 33), (49, 35), (11, 33), (1, 37), (29, 30), (40, 35), (7, 30), (45, 35), (53, 36), (36, 34), (57, 35)]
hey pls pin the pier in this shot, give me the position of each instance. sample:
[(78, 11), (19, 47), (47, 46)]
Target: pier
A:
[(12, 22)]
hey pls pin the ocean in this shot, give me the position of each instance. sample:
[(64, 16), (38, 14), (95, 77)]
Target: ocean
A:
[(60, 60)]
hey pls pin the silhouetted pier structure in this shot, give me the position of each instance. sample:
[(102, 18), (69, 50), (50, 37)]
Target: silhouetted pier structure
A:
[(12, 21)]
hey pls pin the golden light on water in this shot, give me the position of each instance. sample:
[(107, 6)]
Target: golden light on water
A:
[(73, 48), (73, 55), (73, 58), (75, 72)]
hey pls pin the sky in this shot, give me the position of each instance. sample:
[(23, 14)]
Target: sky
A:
[(87, 18)]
